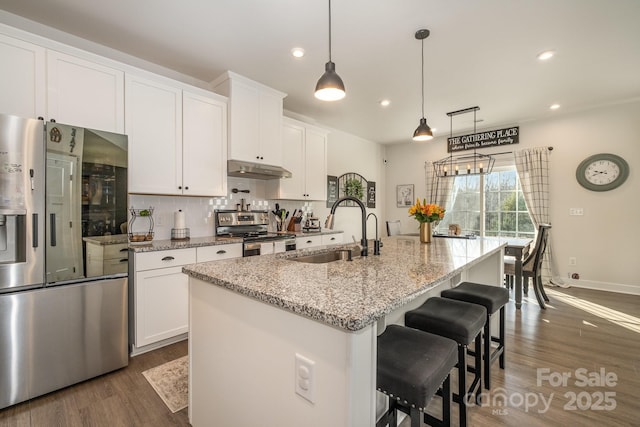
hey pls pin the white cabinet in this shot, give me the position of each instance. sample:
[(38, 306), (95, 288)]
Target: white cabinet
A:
[(77, 91), (204, 145), (255, 119), (332, 239), (219, 252), (154, 126), (176, 139), (161, 295), (23, 78), (308, 241), (84, 93), (305, 156), (161, 292)]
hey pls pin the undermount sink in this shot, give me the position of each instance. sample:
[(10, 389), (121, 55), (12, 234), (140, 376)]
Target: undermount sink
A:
[(324, 257)]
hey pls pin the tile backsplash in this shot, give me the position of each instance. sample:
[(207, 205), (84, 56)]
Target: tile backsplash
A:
[(199, 217)]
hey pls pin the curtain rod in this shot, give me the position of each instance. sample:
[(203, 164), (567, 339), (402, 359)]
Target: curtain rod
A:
[(511, 152)]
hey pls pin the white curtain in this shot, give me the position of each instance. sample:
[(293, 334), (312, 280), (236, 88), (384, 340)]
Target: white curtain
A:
[(532, 165)]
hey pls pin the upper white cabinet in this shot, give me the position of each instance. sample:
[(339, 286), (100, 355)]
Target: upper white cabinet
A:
[(23, 78), (255, 119), (204, 145), (176, 139), (154, 126), (305, 156), (84, 93)]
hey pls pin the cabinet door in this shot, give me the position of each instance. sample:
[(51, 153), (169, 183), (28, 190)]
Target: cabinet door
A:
[(23, 78), (316, 164), (162, 304), (270, 129), (84, 93), (204, 147), (244, 137), (293, 161), (154, 126)]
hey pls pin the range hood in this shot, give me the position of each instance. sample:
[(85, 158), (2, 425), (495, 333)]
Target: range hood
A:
[(242, 169)]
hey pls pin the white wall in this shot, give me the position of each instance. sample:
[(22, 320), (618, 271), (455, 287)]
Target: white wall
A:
[(603, 240)]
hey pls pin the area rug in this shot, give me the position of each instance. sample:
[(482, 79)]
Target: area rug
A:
[(170, 380)]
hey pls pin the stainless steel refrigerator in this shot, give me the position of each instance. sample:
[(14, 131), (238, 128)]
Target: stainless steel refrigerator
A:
[(57, 325)]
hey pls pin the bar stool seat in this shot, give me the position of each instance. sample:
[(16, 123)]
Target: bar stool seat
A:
[(411, 366), (493, 298), (462, 322)]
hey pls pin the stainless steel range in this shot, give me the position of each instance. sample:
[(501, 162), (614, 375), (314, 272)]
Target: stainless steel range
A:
[(252, 226)]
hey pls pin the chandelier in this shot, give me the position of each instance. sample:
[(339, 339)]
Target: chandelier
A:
[(464, 164)]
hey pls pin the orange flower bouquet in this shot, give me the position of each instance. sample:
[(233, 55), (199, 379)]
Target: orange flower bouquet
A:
[(425, 212)]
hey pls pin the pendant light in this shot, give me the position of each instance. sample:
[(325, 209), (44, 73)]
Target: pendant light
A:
[(330, 86), (423, 131)]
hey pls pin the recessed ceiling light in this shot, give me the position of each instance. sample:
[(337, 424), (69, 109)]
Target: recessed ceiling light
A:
[(554, 106), (547, 54), (298, 52), (384, 102)]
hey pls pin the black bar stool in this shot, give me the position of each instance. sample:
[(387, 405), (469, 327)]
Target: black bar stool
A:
[(411, 367), (493, 298), (462, 322)]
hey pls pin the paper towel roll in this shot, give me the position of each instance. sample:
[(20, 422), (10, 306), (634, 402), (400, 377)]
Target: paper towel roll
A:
[(179, 220)]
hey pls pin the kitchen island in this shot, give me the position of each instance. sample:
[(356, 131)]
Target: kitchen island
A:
[(249, 318)]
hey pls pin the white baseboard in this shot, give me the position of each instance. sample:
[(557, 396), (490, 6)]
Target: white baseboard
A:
[(604, 286)]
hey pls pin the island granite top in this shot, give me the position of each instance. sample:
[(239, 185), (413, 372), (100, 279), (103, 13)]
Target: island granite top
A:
[(347, 295)]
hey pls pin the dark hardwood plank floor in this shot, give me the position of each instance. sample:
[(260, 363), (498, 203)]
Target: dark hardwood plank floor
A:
[(581, 329)]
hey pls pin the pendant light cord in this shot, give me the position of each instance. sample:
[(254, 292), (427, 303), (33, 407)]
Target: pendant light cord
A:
[(422, 78), (329, 30)]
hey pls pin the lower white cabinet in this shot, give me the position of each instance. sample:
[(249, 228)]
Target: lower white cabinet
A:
[(161, 296), (161, 293), (309, 241), (332, 239)]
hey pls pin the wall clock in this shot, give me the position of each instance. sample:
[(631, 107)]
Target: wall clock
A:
[(602, 172)]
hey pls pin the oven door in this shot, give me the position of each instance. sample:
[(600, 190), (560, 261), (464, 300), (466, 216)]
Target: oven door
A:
[(251, 249)]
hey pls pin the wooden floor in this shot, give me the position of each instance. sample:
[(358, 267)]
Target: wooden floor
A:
[(583, 333)]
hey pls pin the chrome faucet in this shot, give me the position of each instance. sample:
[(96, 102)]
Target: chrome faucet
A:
[(329, 222)]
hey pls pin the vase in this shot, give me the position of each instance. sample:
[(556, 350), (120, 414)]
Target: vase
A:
[(425, 232)]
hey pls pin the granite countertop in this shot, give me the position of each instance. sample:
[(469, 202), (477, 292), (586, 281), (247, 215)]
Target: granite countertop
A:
[(347, 295), (194, 242), (114, 239)]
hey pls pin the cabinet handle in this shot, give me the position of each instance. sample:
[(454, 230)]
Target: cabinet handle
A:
[(124, 260), (124, 250), (309, 241), (179, 187), (186, 188), (221, 251), (168, 258), (258, 157), (333, 238)]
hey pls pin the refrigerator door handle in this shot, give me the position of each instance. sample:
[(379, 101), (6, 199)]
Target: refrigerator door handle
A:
[(52, 223), (34, 226)]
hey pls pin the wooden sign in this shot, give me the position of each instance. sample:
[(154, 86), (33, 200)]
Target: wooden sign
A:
[(491, 138)]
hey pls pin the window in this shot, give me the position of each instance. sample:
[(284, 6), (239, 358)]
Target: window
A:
[(489, 205)]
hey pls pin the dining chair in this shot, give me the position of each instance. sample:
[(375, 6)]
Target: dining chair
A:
[(393, 227), (532, 266)]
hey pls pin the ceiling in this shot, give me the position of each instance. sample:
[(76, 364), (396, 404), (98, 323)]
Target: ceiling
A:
[(480, 53)]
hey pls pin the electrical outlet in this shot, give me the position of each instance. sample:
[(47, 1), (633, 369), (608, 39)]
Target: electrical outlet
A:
[(572, 260), (305, 377), (159, 219), (576, 211)]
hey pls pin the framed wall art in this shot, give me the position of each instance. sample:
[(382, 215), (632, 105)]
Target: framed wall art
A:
[(404, 195)]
